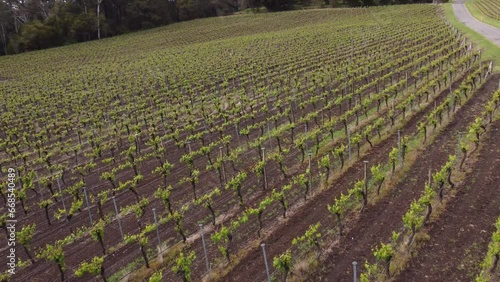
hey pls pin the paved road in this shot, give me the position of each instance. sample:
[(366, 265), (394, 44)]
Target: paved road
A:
[(463, 15)]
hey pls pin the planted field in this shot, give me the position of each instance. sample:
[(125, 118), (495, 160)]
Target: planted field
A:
[(313, 132), (489, 8)]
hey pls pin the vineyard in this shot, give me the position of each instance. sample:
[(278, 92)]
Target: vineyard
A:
[(489, 8), (277, 146)]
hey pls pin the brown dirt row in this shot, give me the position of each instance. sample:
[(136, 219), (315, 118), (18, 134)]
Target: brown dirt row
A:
[(459, 238)]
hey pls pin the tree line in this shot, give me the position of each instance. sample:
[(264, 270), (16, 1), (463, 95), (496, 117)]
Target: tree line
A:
[(27, 25)]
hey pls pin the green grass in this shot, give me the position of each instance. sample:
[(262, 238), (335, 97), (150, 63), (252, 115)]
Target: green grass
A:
[(480, 16), (490, 51), (124, 271)]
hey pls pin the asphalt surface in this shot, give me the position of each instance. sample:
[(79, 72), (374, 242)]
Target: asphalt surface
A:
[(463, 15)]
